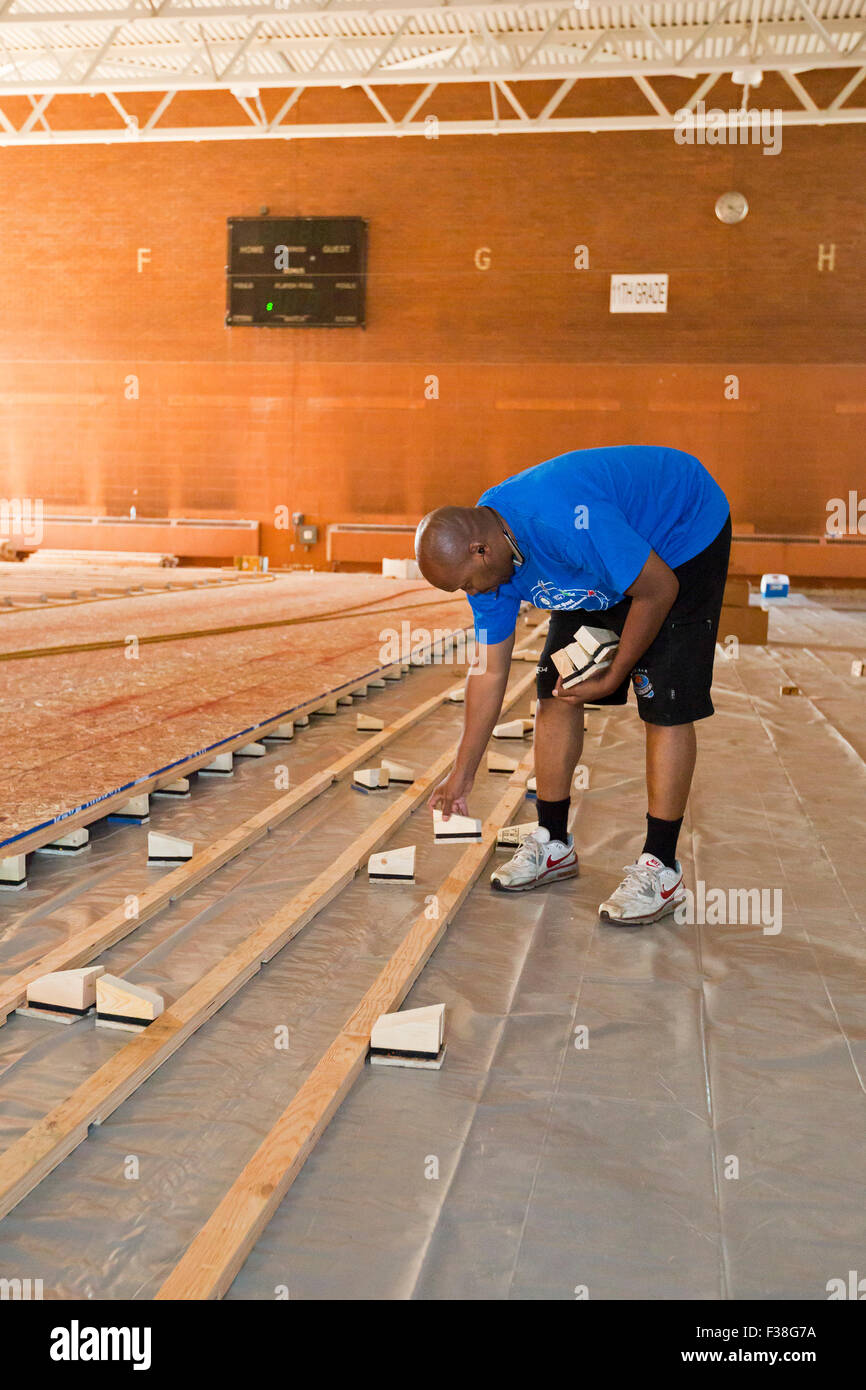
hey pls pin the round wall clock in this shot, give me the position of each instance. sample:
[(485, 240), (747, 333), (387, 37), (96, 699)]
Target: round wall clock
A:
[(731, 208)]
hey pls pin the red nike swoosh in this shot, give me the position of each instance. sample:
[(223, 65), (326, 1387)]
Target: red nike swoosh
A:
[(552, 863), (671, 890)]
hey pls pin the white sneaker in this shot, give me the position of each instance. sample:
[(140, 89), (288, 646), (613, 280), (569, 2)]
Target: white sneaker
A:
[(538, 860), (648, 891)]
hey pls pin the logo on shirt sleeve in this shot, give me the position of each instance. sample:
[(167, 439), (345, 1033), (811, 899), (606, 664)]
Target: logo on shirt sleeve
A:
[(547, 595)]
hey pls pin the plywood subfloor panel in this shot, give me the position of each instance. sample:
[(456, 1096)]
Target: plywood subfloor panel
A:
[(77, 725)]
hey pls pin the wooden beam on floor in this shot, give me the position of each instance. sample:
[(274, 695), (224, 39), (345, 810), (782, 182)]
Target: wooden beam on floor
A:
[(38, 1152), (193, 634), (218, 1252)]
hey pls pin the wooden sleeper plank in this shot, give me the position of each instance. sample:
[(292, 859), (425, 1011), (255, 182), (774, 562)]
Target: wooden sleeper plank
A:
[(218, 1252), (39, 1151)]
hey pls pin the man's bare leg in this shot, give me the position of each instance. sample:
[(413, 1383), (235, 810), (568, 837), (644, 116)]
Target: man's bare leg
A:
[(558, 746), (653, 887), (547, 855), (670, 763)]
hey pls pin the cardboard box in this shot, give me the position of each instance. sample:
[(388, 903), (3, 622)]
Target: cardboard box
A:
[(746, 624), (401, 569), (736, 592)]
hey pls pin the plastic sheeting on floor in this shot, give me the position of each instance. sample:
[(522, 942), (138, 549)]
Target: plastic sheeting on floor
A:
[(667, 1112)]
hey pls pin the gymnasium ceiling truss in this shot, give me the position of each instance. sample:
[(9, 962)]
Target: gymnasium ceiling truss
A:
[(267, 55)]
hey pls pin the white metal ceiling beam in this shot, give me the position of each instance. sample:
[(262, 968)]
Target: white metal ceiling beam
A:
[(799, 91), (846, 91), (439, 23), (432, 21), (309, 10), (115, 75), (512, 100), (517, 47), (166, 46), (355, 130)]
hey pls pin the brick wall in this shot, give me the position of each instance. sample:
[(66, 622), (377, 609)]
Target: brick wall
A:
[(337, 423)]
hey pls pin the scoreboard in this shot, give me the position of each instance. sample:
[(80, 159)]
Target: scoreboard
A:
[(296, 272)]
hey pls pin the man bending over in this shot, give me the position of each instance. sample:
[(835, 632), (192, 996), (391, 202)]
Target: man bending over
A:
[(631, 538)]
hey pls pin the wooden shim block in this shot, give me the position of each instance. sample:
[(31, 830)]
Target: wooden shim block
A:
[(328, 706), (497, 762), (570, 660), (222, 766), (393, 673), (371, 777), (63, 997), (136, 809), (180, 787), (367, 722), (74, 842), (121, 1004), (531, 786), (360, 692), (513, 728), (344, 699), (457, 696), (376, 682), (301, 721), (857, 668), (412, 1032), (217, 1253), (594, 668), (573, 664), (13, 871), (38, 1152), (790, 690), (398, 772), (283, 733), (413, 1063), (106, 931), (592, 650), (251, 750), (392, 866), (455, 829), (597, 642), (510, 836), (167, 849)]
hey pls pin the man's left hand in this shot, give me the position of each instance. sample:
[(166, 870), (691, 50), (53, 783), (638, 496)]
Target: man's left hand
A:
[(588, 692)]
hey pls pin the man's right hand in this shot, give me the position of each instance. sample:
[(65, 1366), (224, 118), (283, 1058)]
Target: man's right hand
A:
[(450, 795), (485, 688)]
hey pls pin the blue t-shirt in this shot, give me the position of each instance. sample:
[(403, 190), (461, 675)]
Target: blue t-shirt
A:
[(585, 523)]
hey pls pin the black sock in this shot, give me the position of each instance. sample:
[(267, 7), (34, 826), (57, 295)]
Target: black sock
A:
[(553, 815), (661, 839)]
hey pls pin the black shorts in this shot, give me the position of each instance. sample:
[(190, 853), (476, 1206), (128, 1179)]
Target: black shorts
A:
[(672, 680)]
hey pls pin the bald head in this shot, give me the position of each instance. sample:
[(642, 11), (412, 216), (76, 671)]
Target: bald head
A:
[(462, 548)]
